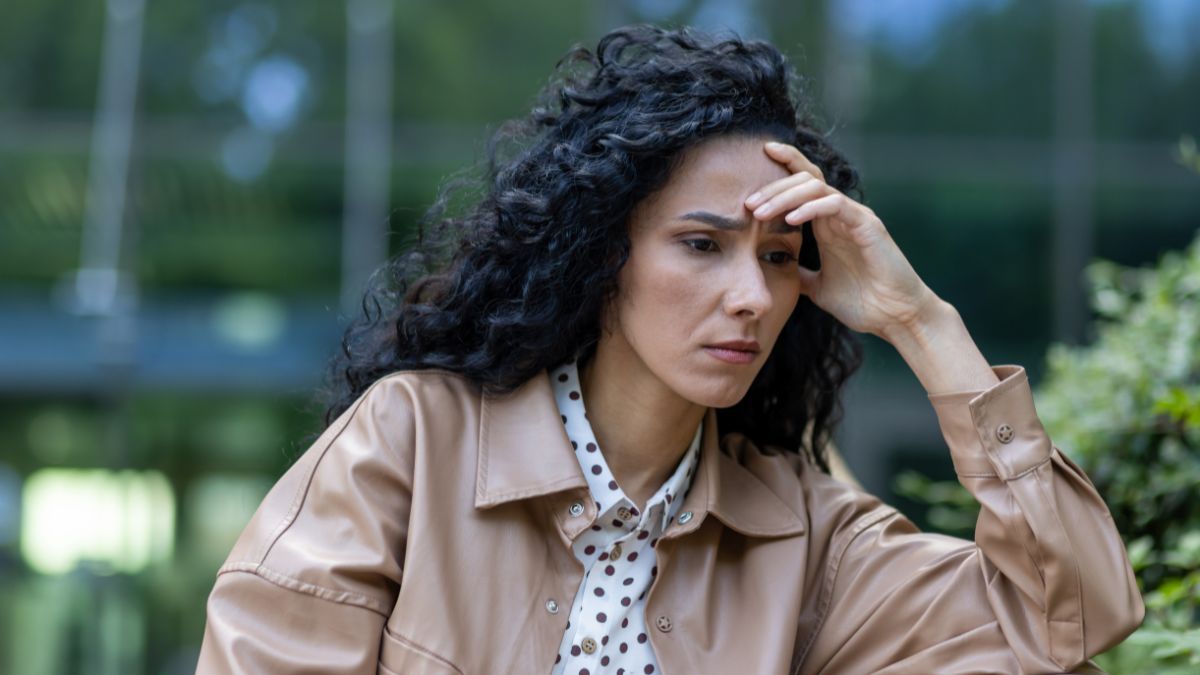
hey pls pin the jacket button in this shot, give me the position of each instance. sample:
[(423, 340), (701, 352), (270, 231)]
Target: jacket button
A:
[(663, 623), (1004, 433), (685, 517), (588, 645), (552, 606), (576, 509)]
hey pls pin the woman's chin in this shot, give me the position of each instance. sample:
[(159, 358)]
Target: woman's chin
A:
[(717, 394)]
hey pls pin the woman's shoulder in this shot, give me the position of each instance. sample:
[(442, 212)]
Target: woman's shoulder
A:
[(833, 505)]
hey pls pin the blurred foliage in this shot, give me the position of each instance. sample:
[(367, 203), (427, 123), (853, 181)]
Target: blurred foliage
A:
[(1127, 408), (1188, 155)]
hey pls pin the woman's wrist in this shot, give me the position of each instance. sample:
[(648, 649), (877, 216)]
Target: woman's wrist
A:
[(940, 351)]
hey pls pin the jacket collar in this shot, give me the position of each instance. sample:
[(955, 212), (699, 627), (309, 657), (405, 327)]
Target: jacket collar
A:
[(524, 453)]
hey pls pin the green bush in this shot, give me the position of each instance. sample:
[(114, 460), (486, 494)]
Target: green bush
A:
[(1127, 409)]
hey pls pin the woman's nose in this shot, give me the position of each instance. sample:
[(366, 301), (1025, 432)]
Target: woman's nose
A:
[(747, 293)]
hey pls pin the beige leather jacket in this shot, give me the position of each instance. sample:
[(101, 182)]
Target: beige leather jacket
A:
[(429, 529)]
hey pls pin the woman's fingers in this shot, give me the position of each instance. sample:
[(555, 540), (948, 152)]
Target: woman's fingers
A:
[(793, 159), (835, 205), (775, 187), (791, 198)]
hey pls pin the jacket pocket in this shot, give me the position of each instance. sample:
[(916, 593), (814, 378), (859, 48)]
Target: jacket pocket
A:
[(401, 656)]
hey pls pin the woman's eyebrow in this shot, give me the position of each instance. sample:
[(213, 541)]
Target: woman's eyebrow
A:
[(724, 223)]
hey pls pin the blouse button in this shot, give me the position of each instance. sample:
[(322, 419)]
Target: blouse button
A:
[(685, 517), (588, 645), (624, 514), (552, 606), (615, 554), (577, 509), (1004, 433), (664, 623)]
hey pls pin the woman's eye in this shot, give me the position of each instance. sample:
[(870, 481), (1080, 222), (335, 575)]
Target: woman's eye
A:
[(781, 257), (701, 245)]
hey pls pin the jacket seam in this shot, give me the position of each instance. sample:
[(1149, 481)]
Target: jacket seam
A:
[(531, 492), (1076, 605), (302, 491), (883, 511), (298, 499), (1031, 469), (306, 587), (409, 643)]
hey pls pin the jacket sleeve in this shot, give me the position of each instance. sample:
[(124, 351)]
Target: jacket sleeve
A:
[(313, 577), (1045, 585)]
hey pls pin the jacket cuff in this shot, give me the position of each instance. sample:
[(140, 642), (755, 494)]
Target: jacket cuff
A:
[(994, 431)]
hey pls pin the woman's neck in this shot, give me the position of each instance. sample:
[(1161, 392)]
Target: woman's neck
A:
[(642, 426)]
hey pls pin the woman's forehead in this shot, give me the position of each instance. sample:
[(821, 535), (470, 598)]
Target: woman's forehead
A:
[(721, 171)]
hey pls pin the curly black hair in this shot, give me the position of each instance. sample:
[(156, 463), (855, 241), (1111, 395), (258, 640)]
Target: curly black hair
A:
[(517, 282)]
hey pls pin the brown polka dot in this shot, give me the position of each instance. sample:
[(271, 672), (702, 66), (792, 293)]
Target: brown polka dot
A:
[(604, 640), (604, 660), (654, 543), (642, 535), (628, 580), (648, 669), (631, 557), (591, 447), (612, 485), (624, 648), (641, 638), (574, 445), (589, 549), (564, 418), (596, 469), (603, 556), (618, 523), (562, 377), (610, 570), (595, 528), (625, 623), (584, 671), (654, 571), (575, 650), (574, 396), (668, 497), (557, 658), (633, 510), (599, 592), (601, 617), (626, 601)]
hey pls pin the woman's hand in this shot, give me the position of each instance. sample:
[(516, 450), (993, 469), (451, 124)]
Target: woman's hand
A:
[(864, 281)]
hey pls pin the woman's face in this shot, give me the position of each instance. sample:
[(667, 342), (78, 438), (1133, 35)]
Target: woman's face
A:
[(702, 272)]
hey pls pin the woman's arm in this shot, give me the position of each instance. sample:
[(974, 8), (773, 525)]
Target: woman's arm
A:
[(1045, 586), (1047, 583)]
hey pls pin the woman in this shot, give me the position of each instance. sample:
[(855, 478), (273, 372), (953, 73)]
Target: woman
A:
[(594, 439)]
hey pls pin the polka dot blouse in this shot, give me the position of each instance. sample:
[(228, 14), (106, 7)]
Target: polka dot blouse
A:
[(606, 630)]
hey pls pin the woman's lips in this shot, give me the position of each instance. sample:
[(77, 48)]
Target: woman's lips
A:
[(731, 355)]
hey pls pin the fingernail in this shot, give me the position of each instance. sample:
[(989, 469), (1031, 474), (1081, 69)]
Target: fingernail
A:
[(762, 210), (754, 198), (774, 145)]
